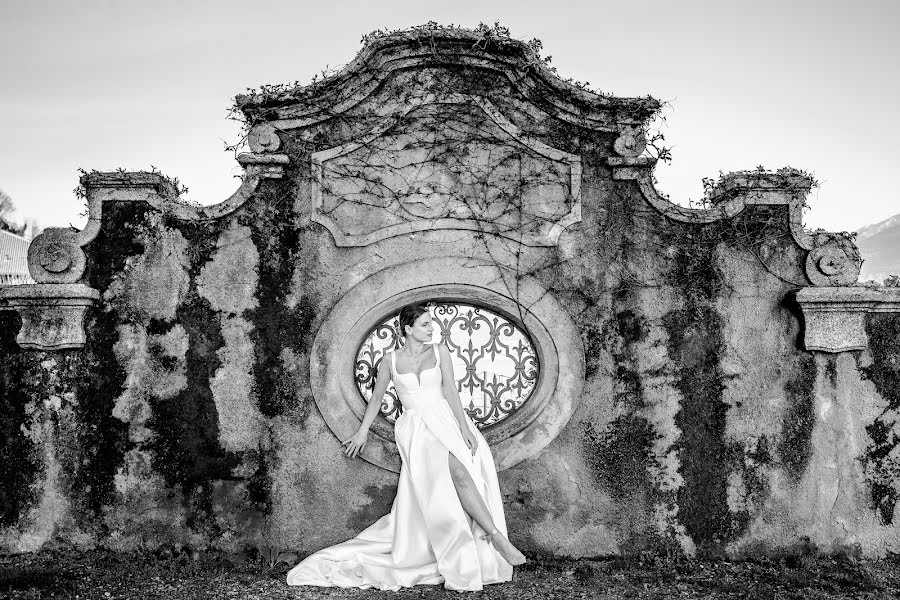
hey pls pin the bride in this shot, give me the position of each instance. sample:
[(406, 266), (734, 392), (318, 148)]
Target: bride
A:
[(447, 523)]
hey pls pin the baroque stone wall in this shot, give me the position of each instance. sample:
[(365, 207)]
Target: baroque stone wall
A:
[(687, 412)]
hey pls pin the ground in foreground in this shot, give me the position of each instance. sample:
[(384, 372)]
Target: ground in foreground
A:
[(105, 575)]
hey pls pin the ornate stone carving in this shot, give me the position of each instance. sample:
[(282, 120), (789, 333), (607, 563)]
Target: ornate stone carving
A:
[(454, 164), (53, 310), (834, 330), (52, 313), (524, 434), (835, 317), (384, 58), (263, 138), (55, 256), (833, 261), (631, 141)]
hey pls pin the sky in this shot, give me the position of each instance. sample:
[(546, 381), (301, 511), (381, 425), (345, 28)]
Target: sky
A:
[(103, 84)]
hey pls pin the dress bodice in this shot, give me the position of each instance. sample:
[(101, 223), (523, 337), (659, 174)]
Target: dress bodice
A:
[(413, 390)]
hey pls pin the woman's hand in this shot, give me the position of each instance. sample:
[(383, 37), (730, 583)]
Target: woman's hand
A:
[(355, 443), (471, 440)]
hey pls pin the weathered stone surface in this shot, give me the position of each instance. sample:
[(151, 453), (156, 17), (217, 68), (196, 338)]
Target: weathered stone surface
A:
[(157, 280), (229, 280), (55, 256), (473, 170), (263, 138), (240, 422), (156, 368), (362, 307), (52, 314), (835, 317), (679, 408)]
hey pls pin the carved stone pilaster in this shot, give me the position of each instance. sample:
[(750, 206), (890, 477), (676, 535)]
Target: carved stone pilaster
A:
[(52, 313), (836, 316)]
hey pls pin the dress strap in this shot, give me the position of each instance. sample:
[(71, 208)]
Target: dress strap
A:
[(437, 355)]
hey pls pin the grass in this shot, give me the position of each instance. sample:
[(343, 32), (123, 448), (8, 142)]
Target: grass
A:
[(105, 575)]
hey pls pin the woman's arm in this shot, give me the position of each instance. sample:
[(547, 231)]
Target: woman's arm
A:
[(382, 379)]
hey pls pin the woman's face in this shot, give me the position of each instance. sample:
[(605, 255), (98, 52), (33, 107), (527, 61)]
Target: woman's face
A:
[(421, 330)]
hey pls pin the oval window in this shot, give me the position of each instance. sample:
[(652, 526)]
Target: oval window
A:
[(494, 362)]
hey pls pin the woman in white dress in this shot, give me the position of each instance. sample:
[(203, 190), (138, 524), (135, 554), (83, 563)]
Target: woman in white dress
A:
[(447, 523)]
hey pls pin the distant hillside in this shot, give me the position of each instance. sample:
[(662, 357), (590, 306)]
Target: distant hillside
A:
[(879, 245)]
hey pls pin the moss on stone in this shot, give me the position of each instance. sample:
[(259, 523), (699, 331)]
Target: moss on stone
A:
[(695, 344), (795, 444), (883, 472), (381, 498), (751, 460), (620, 455), (100, 379), (831, 369), (201, 237), (277, 325), (18, 467), (186, 448)]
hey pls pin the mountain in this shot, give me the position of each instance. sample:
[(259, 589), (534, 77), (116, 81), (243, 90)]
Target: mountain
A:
[(879, 245)]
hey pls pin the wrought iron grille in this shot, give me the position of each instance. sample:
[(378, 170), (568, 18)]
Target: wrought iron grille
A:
[(494, 362)]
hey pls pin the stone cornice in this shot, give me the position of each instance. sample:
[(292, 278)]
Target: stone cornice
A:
[(505, 57), (835, 316), (52, 313), (850, 299)]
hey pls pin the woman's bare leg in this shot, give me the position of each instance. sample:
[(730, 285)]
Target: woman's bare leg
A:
[(474, 506)]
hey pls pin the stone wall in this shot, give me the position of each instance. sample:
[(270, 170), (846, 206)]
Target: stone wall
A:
[(708, 387)]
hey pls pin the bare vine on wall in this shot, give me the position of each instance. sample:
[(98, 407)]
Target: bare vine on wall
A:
[(414, 156)]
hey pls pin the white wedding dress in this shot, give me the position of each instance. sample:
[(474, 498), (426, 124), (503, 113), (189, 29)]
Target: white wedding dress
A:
[(427, 538)]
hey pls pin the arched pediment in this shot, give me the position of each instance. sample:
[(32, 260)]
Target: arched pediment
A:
[(496, 57)]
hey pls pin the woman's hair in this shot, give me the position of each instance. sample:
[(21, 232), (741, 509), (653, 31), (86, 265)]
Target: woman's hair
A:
[(409, 314)]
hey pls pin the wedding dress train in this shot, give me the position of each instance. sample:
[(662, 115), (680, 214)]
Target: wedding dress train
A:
[(427, 537)]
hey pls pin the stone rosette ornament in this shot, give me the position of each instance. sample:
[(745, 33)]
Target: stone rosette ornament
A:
[(834, 260)]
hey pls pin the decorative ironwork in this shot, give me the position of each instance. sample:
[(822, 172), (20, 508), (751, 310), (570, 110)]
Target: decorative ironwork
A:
[(494, 362)]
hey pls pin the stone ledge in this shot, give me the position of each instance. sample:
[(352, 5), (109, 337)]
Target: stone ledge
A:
[(52, 314), (127, 180), (49, 293), (850, 298), (248, 158), (836, 316)]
